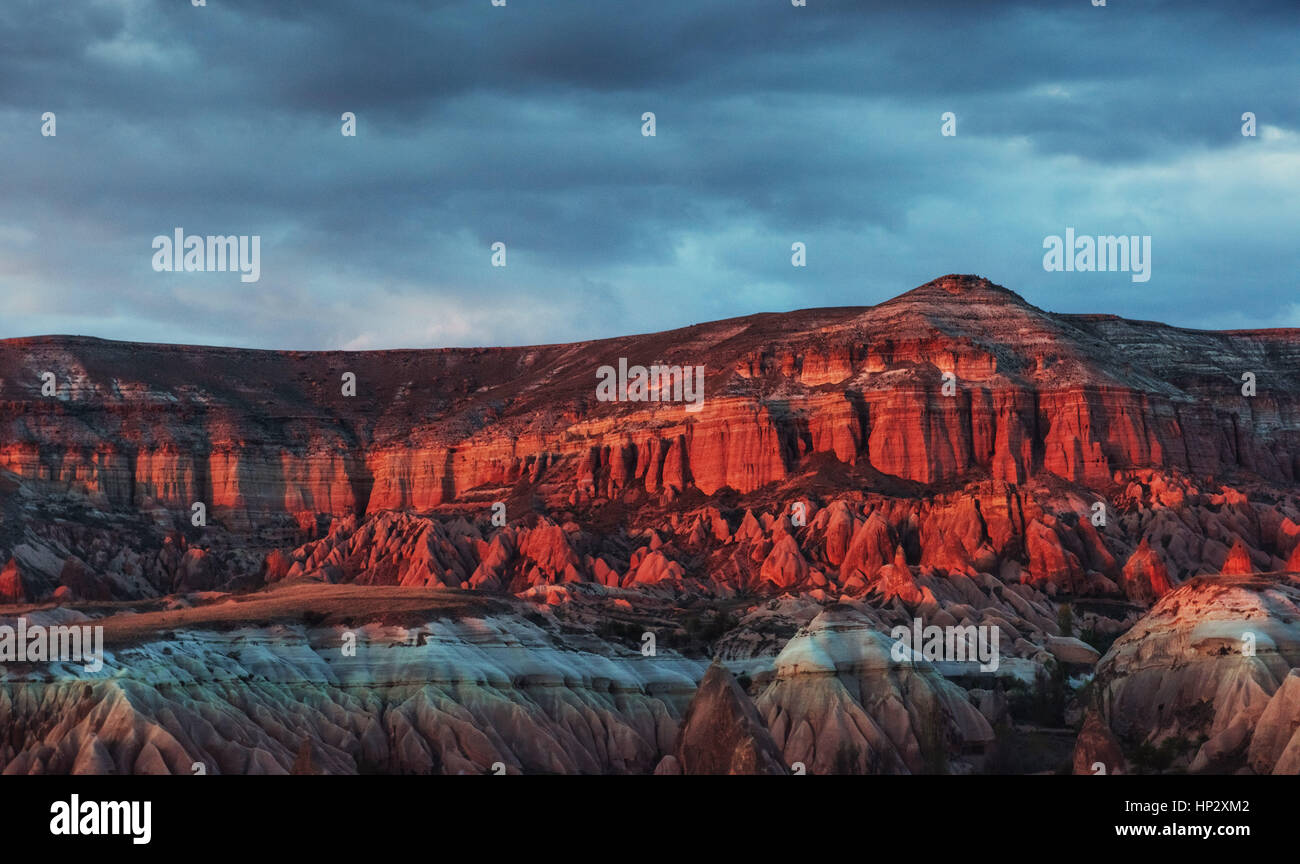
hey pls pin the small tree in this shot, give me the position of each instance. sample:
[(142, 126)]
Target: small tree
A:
[(1065, 619)]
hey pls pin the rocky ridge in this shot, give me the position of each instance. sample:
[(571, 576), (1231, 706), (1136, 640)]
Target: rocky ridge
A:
[(954, 456)]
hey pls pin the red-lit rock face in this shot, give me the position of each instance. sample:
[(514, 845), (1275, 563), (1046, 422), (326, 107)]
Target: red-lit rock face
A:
[(953, 455), (11, 584), (1043, 417)]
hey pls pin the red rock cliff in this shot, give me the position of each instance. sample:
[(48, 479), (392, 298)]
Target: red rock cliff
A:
[(258, 434)]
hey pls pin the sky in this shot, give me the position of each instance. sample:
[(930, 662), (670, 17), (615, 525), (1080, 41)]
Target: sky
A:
[(522, 124)]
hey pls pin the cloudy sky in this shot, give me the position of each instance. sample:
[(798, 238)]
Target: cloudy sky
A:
[(522, 124)]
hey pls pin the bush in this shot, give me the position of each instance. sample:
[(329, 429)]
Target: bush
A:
[(1065, 619), (1146, 759)]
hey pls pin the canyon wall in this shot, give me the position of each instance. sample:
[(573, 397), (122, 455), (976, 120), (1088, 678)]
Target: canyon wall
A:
[(264, 438)]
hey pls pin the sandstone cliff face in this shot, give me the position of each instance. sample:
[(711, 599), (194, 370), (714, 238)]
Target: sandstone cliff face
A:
[(262, 437), (954, 455), (1160, 530), (1049, 416)]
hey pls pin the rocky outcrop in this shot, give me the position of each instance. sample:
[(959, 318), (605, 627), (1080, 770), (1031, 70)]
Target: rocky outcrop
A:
[(335, 679), (954, 456), (11, 584), (1068, 650), (722, 733), (265, 438), (1238, 561), (1274, 747), (1210, 669), (1146, 578), (461, 695), (1096, 750), (839, 703), (986, 431)]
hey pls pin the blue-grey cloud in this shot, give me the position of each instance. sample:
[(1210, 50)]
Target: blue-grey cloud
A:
[(522, 124)]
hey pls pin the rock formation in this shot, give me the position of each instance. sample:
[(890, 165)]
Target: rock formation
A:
[(954, 456), (722, 733), (1210, 673)]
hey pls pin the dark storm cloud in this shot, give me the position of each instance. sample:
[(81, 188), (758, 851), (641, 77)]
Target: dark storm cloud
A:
[(522, 124)]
